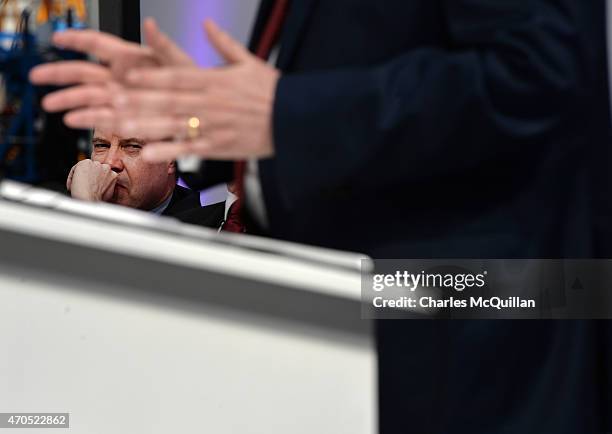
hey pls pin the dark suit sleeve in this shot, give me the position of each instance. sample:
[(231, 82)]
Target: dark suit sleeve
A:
[(504, 87)]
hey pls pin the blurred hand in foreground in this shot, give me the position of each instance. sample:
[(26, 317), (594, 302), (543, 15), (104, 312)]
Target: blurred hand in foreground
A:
[(233, 105), (93, 85), (157, 92)]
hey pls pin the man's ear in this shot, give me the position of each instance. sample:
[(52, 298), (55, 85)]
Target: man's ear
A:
[(172, 168)]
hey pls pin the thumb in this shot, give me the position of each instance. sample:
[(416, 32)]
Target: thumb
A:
[(231, 50)]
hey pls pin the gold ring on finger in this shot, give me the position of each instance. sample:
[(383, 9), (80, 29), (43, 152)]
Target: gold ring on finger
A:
[(193, 128)]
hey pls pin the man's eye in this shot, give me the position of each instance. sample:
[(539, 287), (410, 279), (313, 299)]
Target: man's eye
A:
[(132, 146), (100, 146)]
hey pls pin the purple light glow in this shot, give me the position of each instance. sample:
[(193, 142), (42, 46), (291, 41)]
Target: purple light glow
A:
[(182, 20), (192, 37)]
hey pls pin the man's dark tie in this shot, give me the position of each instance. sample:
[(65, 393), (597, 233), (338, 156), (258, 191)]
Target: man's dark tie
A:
[(268, 38)]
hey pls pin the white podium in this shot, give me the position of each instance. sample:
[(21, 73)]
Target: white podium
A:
[(139, 324)]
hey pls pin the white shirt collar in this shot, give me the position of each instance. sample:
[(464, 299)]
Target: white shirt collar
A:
[(229, 201)]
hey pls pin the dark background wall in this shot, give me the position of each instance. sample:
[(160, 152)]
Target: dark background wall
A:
[(121, 18)]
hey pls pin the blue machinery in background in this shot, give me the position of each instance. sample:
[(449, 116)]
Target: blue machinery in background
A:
[(15, 65), (22, 120)]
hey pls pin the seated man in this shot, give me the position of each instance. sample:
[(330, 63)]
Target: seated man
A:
[(116, 173)]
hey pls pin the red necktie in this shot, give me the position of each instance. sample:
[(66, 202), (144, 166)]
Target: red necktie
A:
[(233, 222), (269, 37)]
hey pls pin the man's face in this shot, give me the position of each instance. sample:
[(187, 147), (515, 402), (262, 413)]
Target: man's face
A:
[(140, 184)]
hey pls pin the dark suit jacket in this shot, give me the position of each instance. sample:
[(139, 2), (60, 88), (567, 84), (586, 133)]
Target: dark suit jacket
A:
[(185, 206), (453, 128)]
